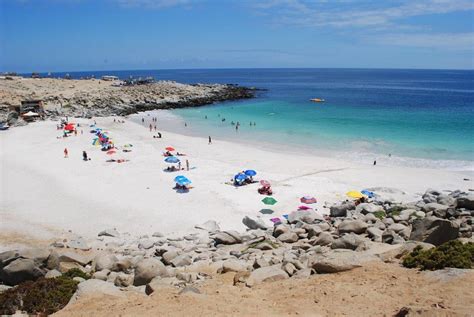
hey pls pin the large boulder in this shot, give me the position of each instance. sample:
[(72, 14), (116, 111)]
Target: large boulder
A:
[(466, 201), (434, 230), (336, 262), (434, 207), (228, 237), (288, 237), (147, 269), (20, 270), (266, 274), (104, 261), (447, 200), (232, 265), (254, 223), (348, 241), (355, 226), (324, 238), (182, 260), (209, 226), (69, 256), (306, 216), (341, 209), (366, 208), (95, 288), (375, 234)]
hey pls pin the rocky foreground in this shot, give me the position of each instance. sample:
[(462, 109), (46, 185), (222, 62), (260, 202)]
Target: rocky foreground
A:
[(93, 97), (307, 244)]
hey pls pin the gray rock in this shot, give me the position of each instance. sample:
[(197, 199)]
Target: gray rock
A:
[(434, 230), (391, 237), (123, 280), (209, 226), (288, 237), (146, 244), (266, 274), (69, 256), (169, 256), (189, 290), (306, 216), (341, 210), (158, 283), (324, 238), (78, 243), (336, 262), (280, 229), (355, 226), (466, 201), (147, 269), (182, 260), (20, 270), (39, 256), (434, 206), (104, 261), (228, 237), (348, 241), (52, 274), (157, 235), (375, 234), (254, 223), (109, 233), (95, 288), (101, 275), (303, 273), (78, 279), (444, 199), (232, 265), (261, 262), (366, 208), (122, 265), (289, 268)]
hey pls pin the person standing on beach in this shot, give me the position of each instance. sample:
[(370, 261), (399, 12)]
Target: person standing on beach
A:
[(236, 128), (187, 165), (375, 162), (84, 156), (185, 124), (143, 120), (151, 127), (210, 141), (75, 132), (155, 127), (66, 153)]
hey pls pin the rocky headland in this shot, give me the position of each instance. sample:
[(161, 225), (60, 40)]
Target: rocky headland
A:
[(94, 97)]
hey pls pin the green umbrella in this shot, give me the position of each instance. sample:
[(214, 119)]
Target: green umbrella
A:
[(269, 201)]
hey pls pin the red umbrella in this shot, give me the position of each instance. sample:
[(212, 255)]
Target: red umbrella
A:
[(111, 152), (169, 148), (265, 183), (70, 127)]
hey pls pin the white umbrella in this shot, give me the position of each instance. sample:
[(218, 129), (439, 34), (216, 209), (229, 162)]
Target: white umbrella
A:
[(30, 114)]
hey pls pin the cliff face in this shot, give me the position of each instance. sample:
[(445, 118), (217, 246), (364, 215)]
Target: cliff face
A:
[(86, 98)]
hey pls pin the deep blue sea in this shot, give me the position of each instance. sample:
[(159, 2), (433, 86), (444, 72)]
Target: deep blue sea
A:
[(419, 117)]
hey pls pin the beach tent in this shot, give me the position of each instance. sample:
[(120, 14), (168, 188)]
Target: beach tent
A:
[(355, 194), (240, 177), (169, 148)]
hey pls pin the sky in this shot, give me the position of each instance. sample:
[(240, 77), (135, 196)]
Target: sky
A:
[(75, 35)]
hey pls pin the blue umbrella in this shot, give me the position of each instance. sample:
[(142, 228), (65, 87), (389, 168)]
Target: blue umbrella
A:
[(182, 180), (367, 193), (172, 159), (240, 177), (250, 173)]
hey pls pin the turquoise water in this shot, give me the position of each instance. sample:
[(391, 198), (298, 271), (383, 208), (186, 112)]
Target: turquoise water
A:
[(420, 117)]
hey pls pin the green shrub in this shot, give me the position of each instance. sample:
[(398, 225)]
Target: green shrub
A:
[(43, 296), (379, 214), (72, 273), (450, 254)]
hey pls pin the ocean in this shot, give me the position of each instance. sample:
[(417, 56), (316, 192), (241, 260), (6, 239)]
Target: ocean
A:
[(420, 118)]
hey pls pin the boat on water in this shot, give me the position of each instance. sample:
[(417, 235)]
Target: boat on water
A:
[(317, 100)]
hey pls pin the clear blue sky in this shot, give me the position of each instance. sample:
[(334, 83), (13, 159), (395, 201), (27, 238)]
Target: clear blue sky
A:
[(69, 35)]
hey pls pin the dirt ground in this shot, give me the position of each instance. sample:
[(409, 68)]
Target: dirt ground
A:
[(377, 289)]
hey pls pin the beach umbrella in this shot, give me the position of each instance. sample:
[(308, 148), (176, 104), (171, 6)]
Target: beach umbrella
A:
[(308, 200), (265, 183), (240, 177), (169, 148), (250, 173), (172, 159), (355, 194), (269, 201), (69, 127), (368, 193), (266, 211), (275, 220), (182, 180), (302, 207), (111, 152)]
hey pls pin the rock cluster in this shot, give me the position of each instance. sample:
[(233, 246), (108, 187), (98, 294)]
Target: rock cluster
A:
[(306, 244)]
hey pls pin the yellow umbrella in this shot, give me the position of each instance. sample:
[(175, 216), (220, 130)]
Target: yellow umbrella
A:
[(355, 194)]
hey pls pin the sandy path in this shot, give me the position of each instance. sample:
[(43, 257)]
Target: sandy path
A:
[(43, 193)]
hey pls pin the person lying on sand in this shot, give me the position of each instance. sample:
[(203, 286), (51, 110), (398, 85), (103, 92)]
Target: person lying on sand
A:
[(167, 153), (180, 154), (171, 169)]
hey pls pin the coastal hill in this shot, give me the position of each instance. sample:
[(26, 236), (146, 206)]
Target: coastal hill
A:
[(94, 97)]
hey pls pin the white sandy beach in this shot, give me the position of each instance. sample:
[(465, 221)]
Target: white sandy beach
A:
[(43, 193)]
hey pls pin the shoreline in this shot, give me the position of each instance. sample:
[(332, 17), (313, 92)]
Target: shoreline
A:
[(137, 196), (173, 122)]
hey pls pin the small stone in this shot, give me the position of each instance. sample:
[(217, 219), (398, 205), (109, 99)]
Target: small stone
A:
[(109, 233)]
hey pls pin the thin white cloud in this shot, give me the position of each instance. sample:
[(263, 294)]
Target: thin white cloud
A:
[(455, 41), (344, 13)]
